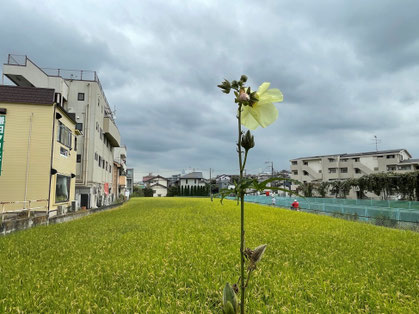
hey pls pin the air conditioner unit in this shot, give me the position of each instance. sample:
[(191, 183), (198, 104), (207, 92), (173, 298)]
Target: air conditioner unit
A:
[(73, 206), (62, 209)]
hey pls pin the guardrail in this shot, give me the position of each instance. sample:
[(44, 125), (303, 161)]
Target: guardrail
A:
[(16, 207)]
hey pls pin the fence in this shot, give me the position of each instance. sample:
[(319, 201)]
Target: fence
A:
[(398, 211), (19, 207)]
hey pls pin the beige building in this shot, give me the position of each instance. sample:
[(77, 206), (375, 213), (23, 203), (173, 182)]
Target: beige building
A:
[(38, 153), (79, 93), (345, 166)]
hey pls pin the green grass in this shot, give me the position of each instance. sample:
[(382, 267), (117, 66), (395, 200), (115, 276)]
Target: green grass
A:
[(175, 255)]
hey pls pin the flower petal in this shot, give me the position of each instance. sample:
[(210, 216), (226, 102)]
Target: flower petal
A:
[(263, 88), (273, 95), (264, 113), (247, 118)]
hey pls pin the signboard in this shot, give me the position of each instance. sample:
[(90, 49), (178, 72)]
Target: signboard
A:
[(2, 124), (106, 188)]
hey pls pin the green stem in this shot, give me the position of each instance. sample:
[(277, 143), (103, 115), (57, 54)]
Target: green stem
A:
[(241, 167)]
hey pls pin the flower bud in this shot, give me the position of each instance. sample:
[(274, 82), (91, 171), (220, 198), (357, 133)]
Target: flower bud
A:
[(248, 141), (230, 303), (243, 78), (243, 96)]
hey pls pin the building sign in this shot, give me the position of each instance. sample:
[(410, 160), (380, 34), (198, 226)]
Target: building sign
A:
[(2, 124), (106, 188)]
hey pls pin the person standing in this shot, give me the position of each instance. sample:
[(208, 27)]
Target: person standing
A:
[(273, 201)]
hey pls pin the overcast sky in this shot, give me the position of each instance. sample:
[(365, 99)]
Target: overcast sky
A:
[(348, 70)]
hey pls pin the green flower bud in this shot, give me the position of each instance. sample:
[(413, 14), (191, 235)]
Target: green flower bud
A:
[(248, 141), (243, 78), (230, 303)]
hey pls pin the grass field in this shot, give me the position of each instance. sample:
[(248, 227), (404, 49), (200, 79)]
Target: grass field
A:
[(175, 255)]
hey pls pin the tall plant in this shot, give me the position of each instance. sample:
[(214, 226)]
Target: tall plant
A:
[(255, 108)]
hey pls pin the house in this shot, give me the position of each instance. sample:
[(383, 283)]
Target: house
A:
[(79, 92), (158, 184), (119, 178), (328, 168), (193, 179), (223, 181), (130, 180), (38, 152)]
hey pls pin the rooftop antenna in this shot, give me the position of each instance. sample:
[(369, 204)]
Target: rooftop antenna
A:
[(376, 141)]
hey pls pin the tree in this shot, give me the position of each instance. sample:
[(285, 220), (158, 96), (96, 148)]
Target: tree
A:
[(172, 191), (322, 188), (148, 192)]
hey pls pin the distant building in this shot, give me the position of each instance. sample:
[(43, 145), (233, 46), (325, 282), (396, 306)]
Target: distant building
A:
[(119, 176), (130, 180), (38, 152), (193, 179), (223, 181), (158, 184), (328, 168)]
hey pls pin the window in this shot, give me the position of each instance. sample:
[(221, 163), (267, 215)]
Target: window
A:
[(75, 143), (101, 133), (79, 158), (100, 161), (64, 135), (391, 168), (357, 170), (343, 170), (80, 96), (295, 172), (110, 168), (97, 126), (79, 126), (305, 163), (106, 166), (96, 156), (195, 181), (332, 170), (186, 181), (375, 168), (294, 162), (63, 152), (305, 173), (344, 160), (405, 167), (356, 159), (332, 159), (391, 156), (320, 171), (62, 189)]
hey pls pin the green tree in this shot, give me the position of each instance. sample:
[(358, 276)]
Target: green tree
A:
[(148, 192)]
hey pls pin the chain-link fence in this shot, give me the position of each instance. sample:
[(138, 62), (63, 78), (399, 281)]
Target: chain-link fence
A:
[(380, 211)]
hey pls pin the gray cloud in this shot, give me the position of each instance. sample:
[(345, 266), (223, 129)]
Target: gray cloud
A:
[(348, 71)]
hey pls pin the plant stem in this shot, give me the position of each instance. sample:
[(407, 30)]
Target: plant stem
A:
[(239, 150)]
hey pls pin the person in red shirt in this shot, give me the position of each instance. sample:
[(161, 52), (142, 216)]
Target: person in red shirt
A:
[(295, 205)]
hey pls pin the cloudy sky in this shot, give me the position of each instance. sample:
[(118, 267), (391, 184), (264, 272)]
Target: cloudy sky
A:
[(348, 70)]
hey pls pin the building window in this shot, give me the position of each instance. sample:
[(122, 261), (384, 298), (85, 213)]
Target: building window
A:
[(80, 96), (356, 159), (79, 158), (64, 135), (101, 133), (320, 171), (305, 163), (100, 161), (79, 126), (375, 168), (97, 126), (96, 156), (405, 167), (357, 170), (294, 162), (331, 159), (63, 152), (75, 143), (305, 173), (62, 189), (343, 170), (344, 160), (295, 172), (106, 166), (186, 181), (391, 156), (332, 170), (391, 168)]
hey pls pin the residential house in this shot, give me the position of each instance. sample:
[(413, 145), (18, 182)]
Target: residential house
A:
[(80, 93), (119, 171), (38, 152), (130, 180), (158, 184)]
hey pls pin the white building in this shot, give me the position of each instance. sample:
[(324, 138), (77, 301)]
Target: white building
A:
[(193, 179), (158, 184), (81, 93)]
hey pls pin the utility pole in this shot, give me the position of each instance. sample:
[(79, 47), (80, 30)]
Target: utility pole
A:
[(376, 142)]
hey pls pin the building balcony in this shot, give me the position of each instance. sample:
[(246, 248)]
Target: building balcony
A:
[(111, 132)]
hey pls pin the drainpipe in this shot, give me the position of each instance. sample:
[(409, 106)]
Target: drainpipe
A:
[(52, 158), (27, 160)]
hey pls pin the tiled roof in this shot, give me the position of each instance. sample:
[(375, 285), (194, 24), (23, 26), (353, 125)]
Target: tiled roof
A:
[(192, 175), (26, 95)]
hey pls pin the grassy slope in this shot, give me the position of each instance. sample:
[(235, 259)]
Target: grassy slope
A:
[(174, 255)]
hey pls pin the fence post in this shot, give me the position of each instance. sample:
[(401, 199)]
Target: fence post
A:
[(398, 214)]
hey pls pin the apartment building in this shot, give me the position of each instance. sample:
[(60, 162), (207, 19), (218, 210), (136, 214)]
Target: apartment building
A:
[(79, 93), (355, 165), (119, 171), (38, 152)]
